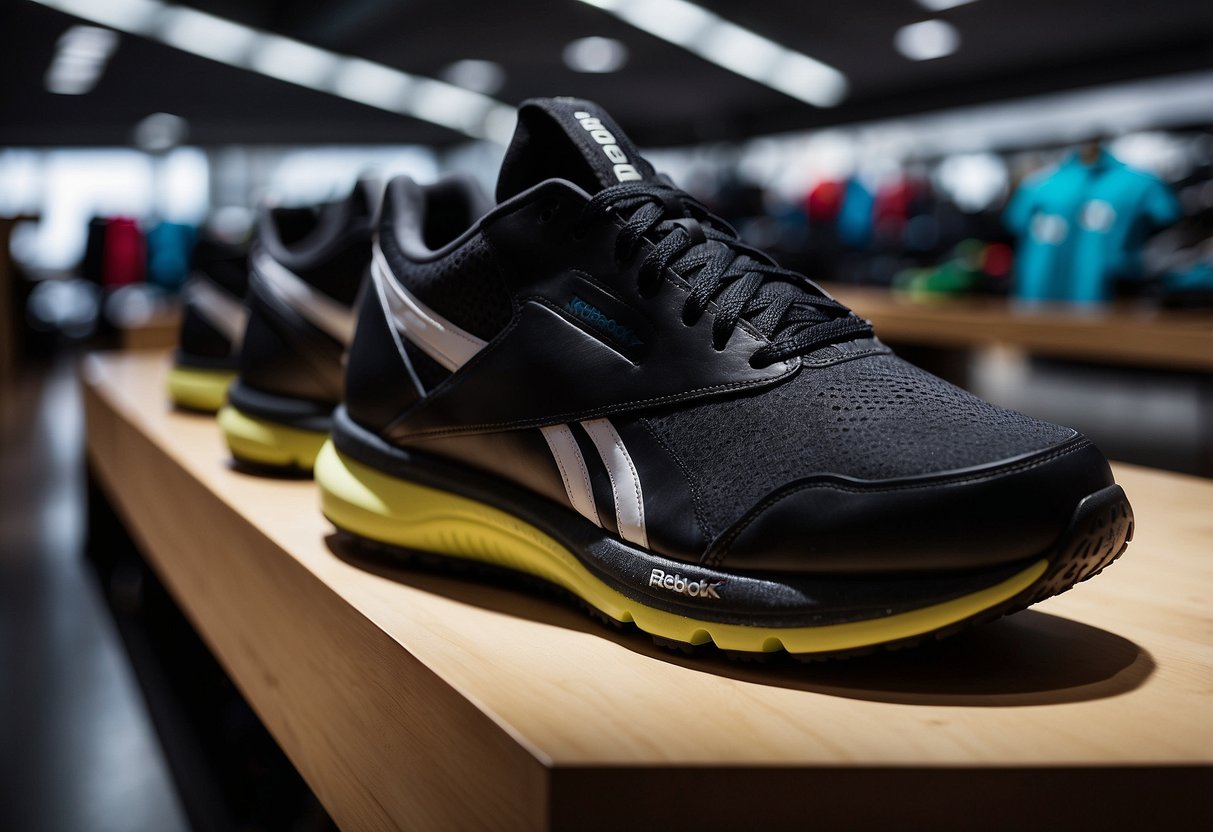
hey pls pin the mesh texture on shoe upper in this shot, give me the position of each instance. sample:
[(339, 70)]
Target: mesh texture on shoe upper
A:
[(464, 287), (872, 418)]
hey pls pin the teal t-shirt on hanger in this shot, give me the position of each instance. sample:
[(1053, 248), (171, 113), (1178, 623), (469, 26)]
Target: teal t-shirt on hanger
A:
[(1083, 225)]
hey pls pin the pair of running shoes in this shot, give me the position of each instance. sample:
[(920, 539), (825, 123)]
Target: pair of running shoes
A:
[(596, 383)]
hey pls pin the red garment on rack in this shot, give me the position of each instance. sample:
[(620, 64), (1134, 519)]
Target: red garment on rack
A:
[(824, 201), (125, 253)]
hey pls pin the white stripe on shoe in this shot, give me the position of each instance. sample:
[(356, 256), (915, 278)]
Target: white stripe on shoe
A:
[(573, 471), (625, 482), (223, 311), (453, 347), (317, 308), (437, 337)]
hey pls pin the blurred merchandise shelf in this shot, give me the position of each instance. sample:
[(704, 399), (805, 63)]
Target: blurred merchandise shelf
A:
[(1119, 334)]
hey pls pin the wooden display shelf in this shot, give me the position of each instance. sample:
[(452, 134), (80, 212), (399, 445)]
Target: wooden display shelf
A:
[(160, 331), (410, 700), (1117, 334)]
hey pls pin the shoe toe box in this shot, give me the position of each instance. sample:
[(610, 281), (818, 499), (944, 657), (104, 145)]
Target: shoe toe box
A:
[(984, 516)]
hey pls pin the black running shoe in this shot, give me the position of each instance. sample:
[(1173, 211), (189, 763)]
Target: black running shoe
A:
[(305, 269), (598, 384), (213, 318)]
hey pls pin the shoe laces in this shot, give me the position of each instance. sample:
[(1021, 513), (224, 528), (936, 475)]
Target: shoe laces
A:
[(743, 284)]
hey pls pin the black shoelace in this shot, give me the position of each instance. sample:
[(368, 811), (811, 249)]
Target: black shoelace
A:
[(784, 307)]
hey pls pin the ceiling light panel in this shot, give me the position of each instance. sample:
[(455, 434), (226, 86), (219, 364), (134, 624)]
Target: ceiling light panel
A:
[(135, 16), (476, 75), (942, 5), (732, 47), (291, 60), (927, 40), (374, 84), (464, 110), (206, 35), (80, 57), (595, 54)]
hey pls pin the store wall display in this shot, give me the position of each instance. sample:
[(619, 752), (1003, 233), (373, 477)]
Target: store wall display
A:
[(896, 223), (1181, 258)]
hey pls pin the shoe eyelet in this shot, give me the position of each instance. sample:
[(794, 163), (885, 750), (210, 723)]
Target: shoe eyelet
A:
[(688, 319), (548, 212)]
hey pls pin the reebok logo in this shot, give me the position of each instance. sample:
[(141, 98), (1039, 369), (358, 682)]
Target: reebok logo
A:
[(596, 318), (676, 583), (625, 171)]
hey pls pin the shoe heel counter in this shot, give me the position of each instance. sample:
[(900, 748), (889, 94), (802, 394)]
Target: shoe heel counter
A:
[(380, 382), (279, 356), (198, 339)]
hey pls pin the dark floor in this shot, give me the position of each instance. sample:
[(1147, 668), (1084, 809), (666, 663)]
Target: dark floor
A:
[(77, 749)]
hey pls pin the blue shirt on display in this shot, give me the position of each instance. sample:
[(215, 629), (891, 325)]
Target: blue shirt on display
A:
[(1083, 225)]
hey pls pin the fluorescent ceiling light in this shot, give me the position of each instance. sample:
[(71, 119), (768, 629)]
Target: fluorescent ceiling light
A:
[(595, 54), (135, 16), (740, 50), (943, 5), (374, 84), (927, 40), (80, 58), (206, 35), (476, 75), (448, 105), (732, 47), (160, 132), (675, 21), (293, 61), (793, 73), (439, 102)]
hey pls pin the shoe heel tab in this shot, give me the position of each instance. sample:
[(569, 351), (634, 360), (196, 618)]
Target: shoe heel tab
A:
[(402, 217)]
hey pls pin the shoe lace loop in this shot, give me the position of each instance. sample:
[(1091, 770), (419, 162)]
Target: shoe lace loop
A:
[(790, 311)]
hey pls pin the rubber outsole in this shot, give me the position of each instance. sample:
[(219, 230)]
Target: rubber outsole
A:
[(408, 520), (199, 389), (267, 446)]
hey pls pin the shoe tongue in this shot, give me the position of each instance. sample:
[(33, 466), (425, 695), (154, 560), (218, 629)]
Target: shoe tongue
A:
[(568, 138)]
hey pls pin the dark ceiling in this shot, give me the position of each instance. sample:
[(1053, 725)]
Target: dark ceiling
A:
[(664, 95)]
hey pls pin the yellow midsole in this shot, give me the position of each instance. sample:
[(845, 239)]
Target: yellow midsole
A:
[(371, 504), (269, 443), (204, 390)]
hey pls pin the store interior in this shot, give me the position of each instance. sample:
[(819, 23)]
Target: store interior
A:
[(1011, 162)]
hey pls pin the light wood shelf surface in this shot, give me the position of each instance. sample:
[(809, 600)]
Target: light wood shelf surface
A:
[(1116, 334), (160, 331), (414, 700)]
